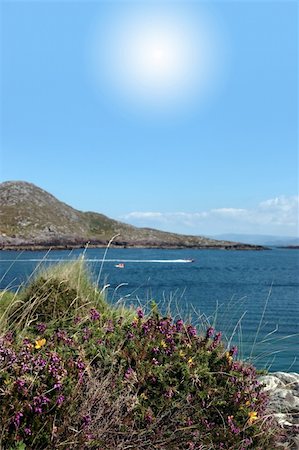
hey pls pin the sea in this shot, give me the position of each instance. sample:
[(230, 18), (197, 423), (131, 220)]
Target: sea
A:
[(252, 297)]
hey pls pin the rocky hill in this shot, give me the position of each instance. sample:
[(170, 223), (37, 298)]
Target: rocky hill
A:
[(32, 218)]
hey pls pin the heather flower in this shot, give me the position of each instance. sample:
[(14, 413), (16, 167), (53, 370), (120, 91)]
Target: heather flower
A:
[(8, 337), (86, 334), (189, 422), (217, 340), (94, 314), (149, 418), (86, 420), (191, 330), (40, 363), (210, 332), (63, 336), (39, 402), (179, 325), (164, 326), (145, 328), (140, 313), (27, 343), (189, 398), (169, 393), (247, 442), (24, 367), (234, 351), (60, 399), (232, 425), (135, 322), (129, 372), (41, 327), (20, 384), (17, 419), (110, 326), (130, 335), (237, 396)]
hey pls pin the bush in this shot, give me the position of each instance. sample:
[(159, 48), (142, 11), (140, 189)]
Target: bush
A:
[(103, 379)]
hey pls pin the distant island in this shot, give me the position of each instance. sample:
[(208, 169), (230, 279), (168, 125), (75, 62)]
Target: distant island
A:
[(33, 219)]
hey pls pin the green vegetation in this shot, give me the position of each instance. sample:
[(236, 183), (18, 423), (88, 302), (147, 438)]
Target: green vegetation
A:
[(31, 217), (76, 372)]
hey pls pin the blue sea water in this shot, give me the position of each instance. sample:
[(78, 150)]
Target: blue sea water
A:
[(251, 296)]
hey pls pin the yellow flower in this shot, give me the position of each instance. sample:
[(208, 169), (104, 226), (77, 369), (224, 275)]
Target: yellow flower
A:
[(181, 353), (40, 342), (247, 403), (190, 361), (163, 344), (228, 357), (252, 416), (144, 396)]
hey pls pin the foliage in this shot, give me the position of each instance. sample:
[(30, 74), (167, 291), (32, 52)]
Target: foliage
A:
[(77, 373)]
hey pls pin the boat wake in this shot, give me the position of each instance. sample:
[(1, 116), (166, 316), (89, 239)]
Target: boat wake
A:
[(95, 260)]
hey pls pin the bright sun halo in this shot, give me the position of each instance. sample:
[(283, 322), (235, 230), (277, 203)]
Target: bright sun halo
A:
[(155, 60)]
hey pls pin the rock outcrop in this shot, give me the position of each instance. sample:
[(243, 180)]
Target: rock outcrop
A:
[(283, 389)]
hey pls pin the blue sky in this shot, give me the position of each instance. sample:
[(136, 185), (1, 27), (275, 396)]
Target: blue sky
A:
[(200, 154)]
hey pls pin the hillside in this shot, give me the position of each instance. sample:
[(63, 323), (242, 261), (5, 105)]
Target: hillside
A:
[(32, 218)]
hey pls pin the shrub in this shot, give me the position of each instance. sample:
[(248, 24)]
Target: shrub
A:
[(92, 377)]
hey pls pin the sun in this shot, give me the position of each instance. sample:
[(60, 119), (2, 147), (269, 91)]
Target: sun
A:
[(155, 60), (154, 57)]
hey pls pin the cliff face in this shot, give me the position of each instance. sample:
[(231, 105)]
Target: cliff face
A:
[(31, 217)]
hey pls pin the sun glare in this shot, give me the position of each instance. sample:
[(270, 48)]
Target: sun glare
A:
[(156, 60)]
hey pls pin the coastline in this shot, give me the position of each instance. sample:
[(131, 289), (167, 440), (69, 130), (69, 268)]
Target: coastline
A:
[(40, 246)]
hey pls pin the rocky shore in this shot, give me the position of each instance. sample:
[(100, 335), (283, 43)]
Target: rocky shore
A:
[(284, 404), (65, 244)]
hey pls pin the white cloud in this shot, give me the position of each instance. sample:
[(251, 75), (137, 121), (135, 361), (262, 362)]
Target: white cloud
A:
[(278, 215)]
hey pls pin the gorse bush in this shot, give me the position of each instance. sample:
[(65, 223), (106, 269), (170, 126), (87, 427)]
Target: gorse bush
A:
[(82, 374)]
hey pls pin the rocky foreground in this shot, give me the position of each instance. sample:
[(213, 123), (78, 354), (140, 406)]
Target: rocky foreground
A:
[(284, 403)]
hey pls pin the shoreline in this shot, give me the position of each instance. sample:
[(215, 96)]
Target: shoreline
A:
[(123, 245), (157, 247)]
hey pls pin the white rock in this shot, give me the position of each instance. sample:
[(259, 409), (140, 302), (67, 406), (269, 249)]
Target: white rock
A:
[(283, 390)]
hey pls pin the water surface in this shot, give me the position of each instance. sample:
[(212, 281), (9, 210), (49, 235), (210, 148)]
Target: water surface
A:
[(261, 287)]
